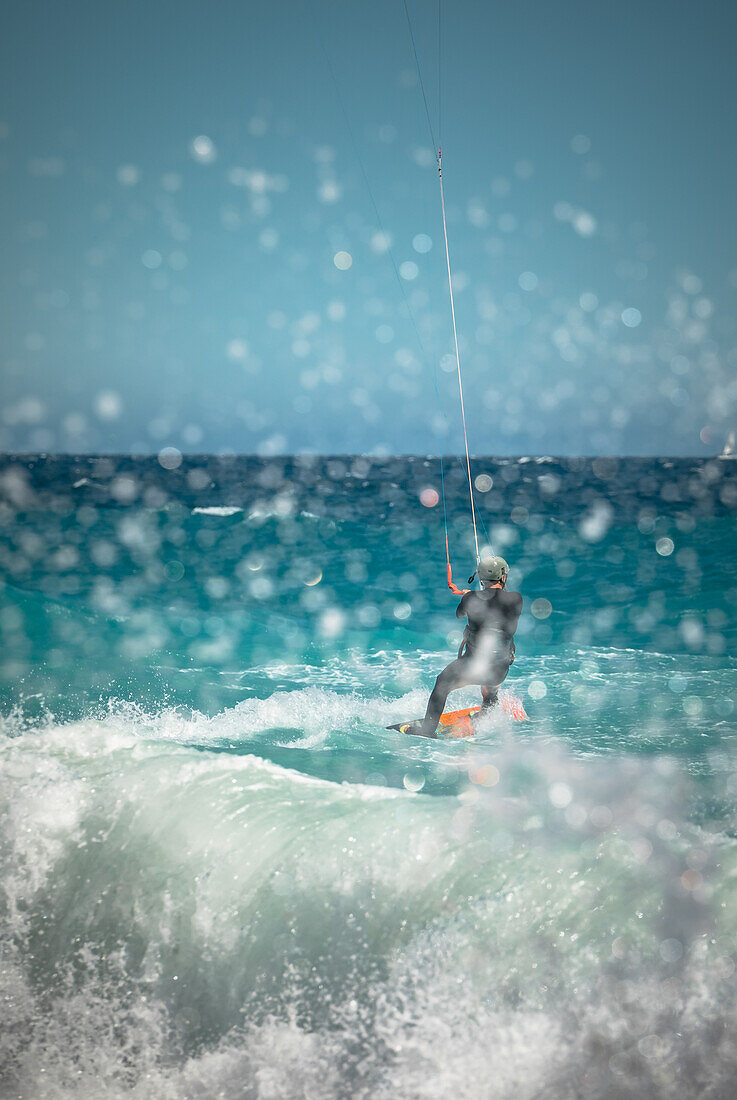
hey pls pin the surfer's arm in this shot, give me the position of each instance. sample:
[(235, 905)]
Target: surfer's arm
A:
[(461, 609), (514, 621)]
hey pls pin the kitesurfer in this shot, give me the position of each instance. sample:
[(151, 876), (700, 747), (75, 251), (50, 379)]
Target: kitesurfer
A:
[(487, 649)]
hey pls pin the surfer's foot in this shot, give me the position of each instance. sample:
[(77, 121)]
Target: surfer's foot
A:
[(414, 729), (482, 714)]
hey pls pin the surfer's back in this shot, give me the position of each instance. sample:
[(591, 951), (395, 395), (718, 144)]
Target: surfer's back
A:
[(491, 611)]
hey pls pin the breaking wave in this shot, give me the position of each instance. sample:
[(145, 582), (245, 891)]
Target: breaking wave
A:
[(183, 915)]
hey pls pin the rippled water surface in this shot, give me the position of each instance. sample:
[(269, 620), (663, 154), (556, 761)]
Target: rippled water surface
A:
[(223, 877)]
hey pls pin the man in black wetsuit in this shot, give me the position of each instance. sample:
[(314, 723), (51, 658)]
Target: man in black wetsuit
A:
[(487, 650)]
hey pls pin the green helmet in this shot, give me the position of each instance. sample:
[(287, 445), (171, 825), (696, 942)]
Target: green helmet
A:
[(493, 569)]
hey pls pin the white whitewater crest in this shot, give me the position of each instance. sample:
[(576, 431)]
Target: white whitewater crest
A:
[(215, 510), (182, 921)]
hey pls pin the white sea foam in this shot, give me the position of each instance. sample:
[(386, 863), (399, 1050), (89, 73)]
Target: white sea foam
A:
[(181, 921), (214, 510)]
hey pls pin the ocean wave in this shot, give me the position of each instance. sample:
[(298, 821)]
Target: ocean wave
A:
[(217, 510), (180, 921)]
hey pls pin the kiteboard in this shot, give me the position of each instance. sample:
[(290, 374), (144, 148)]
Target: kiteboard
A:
[(458, 723)]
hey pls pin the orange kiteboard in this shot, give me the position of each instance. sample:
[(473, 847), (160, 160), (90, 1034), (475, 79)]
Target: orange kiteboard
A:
[(457, 723)]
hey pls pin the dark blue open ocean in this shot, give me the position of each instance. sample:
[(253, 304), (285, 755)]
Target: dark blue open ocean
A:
[(222, 877)]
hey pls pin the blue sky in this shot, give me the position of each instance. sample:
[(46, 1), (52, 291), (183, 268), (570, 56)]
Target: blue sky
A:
[(180, 185)]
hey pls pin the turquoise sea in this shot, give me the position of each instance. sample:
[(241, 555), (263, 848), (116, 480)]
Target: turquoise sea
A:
[(221, 875)]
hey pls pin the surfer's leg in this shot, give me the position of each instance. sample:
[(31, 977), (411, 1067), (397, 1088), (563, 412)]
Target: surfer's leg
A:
[(454, 676), (490, 690), (490, 696)]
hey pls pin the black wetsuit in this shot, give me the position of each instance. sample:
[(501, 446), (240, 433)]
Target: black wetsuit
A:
[(486, 652)]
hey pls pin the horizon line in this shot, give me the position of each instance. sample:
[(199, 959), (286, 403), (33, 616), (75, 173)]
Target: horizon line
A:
[(349, 454)]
